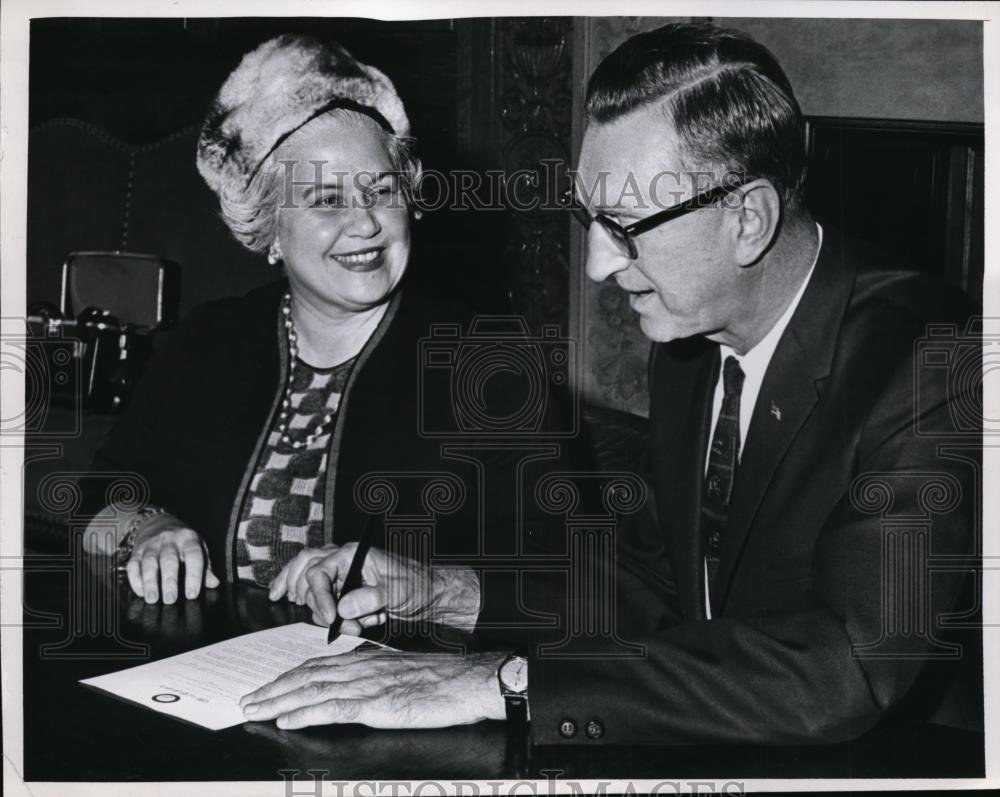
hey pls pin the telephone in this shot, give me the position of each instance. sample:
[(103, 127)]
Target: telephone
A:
[(95, 356)]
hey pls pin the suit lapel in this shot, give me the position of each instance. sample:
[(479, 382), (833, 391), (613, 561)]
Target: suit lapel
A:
[(790, 387), (684, 375), (790, 390)]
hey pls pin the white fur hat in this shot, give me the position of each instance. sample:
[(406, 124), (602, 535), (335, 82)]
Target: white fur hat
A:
[(276, 89)]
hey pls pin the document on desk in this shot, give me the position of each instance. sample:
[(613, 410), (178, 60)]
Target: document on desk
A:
[(204, 686)]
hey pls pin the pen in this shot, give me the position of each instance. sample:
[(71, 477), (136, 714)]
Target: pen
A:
[(353, 578)]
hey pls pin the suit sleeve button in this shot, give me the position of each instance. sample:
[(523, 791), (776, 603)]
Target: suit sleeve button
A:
[(567, 729), (595, 730)]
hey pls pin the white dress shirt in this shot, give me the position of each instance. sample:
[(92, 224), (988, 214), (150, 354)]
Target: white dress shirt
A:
[(754, 366)]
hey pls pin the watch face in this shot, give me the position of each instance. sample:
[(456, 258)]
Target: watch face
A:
[(514, 674)]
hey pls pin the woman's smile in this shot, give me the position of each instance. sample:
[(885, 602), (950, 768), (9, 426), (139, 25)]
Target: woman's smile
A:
[(362, 260), (351, 255)]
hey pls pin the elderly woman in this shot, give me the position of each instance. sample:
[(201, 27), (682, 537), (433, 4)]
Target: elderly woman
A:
[(256, 422)]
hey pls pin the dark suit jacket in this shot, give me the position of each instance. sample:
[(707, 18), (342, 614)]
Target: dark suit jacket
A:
[(825, 612)]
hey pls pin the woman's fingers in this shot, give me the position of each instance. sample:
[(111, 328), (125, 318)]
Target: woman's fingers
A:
[(150, 568), (194, 568), (211, 580), (154, 568), (169, 567), (134, 572)]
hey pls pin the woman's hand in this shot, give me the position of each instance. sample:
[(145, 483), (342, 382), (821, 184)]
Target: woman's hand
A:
[(393, 585), (291, 580), (161, 544)]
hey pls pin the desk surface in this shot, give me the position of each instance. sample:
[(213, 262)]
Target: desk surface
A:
[(72, 733)]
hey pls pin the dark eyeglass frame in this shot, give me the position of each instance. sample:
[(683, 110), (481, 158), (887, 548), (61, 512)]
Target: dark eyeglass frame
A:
[(625, 235)]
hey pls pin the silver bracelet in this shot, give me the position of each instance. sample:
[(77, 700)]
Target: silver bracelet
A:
[(124, 551)]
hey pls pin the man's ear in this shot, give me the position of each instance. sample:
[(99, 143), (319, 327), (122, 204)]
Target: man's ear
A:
[(759, 217)]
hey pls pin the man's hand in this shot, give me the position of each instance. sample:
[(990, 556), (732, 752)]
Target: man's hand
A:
[(161, 544), (393, 585), (292, 578), (383, 690)]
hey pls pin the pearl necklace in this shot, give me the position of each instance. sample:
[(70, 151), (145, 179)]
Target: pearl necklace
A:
[(286, 402)]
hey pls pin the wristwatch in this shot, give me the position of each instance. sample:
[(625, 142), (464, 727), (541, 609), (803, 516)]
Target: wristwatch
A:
[(513, 677)]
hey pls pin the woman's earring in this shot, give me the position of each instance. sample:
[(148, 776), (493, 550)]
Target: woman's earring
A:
[(418, 214), (274, 253)]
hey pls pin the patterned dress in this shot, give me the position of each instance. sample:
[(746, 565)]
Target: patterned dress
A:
[(283, 512)]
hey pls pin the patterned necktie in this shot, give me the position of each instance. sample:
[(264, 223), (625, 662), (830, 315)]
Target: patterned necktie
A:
[(723, 458)]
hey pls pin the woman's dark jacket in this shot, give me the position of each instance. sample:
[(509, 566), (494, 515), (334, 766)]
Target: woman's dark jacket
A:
[(199, 418)]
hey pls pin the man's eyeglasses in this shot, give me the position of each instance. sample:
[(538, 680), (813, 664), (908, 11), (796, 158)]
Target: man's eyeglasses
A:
[(624, 237)]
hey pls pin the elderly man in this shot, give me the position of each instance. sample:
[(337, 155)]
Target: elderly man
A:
[(803, 465)]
